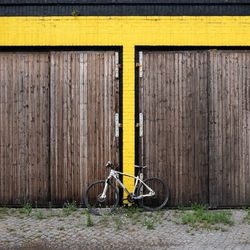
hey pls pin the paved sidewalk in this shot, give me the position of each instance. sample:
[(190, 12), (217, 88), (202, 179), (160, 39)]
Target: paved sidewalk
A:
[(68, 229)]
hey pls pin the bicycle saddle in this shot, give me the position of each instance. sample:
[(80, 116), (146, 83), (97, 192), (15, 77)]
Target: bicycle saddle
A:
[(137, 166)]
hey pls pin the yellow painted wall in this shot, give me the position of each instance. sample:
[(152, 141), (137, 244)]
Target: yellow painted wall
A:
[(127, 32), (124, 30)]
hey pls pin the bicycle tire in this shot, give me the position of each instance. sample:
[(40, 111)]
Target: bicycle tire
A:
[(159, 200), (93, 202)]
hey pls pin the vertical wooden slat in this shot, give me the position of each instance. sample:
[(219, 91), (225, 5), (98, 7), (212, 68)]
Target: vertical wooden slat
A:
[(85, 120), (52, 127), (9, 131), (81, 122), (246, 129), (76, 169), (91, 122), (14, 126), (63, 126)]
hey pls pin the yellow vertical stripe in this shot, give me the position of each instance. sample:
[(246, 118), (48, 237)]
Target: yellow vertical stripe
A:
[(128, 115)]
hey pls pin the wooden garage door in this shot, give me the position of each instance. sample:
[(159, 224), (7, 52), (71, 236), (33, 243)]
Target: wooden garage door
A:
[(86, 98), (24, 127), (173, 100), (229, 128), (196, 124)]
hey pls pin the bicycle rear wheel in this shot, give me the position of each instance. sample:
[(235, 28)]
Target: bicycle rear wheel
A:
[(93, 201), (159, 200)]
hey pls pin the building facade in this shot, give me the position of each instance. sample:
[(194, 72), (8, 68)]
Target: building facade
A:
[(76, 76)]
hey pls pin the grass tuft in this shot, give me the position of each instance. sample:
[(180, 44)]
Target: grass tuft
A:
[(39, 215), (104, 218), (118, 222), (10, 230), (26, 209), (200, 217), (89, 221), (149, 223), (3, 210), (69, 208), (132, 210), (246, 219)]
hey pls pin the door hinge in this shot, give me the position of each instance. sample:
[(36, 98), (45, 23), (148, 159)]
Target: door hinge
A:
[(117, 125), (140, 124), (117, 65), (140, 63)]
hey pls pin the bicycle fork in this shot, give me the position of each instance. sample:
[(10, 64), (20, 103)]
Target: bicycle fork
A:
[(103, 196)]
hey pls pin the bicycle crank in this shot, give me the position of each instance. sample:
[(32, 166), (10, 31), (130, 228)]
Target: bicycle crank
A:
[(130, 198)]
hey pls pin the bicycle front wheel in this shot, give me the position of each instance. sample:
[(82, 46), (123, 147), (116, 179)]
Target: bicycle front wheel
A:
[(159, 200), (98, 205)]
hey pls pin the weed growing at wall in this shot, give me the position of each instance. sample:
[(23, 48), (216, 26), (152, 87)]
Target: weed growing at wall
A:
[(89, 221), (246, 219), (26, 209), (201, 217)]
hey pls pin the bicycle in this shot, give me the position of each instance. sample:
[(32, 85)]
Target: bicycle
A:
[(102, 197)]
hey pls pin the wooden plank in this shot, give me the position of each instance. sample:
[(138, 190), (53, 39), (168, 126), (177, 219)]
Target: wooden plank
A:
[(106, 108), (237, 81), (77, 130), (52, 126), (203, 129), (91, 121), (1, 129), (170, 75), (246, 128), (82, 154), (242, 75), (101, 116), (18, 78), (2, 123), (96, 66), (6, 122), (63, 120), (233, 108), (85, 119), (14, 126), (177, 170)]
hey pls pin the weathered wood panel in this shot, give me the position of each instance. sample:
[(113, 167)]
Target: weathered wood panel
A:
[(173, 100), (24, 127), (85, 101), (229, 128)]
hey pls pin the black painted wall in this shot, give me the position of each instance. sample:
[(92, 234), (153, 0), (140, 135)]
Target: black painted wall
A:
[(125, 7)]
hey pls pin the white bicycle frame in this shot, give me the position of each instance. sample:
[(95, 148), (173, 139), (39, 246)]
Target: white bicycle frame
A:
[(115, 175)]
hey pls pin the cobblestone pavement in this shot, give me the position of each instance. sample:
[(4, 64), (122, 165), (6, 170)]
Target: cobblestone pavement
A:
[(67, 229)]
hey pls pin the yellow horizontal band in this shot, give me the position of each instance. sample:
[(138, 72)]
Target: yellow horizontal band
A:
[(102, 31)]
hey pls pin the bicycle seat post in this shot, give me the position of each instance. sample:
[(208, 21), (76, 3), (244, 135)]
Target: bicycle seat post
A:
[(139, 171)]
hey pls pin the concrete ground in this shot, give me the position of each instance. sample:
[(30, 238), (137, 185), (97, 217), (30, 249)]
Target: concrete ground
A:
[(72, 228)]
